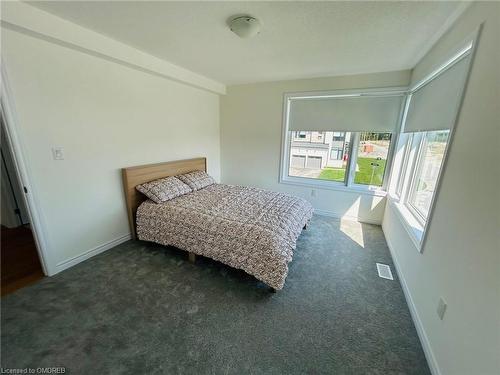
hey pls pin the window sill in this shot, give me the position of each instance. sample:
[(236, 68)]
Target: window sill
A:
[(413, 227), (329, 185)]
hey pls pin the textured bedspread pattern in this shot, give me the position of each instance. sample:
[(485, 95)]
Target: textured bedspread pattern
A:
[(247, 228)]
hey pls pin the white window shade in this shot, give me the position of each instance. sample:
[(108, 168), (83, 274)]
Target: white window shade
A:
[(434, 105), (351, 113)]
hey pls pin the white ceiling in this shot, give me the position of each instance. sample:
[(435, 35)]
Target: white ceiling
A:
[(298, 39)]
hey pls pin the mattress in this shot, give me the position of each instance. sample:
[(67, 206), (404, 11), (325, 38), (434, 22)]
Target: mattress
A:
[(244, 227)]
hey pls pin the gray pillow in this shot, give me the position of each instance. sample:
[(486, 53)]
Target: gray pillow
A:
[(196, 180), (164, 189)]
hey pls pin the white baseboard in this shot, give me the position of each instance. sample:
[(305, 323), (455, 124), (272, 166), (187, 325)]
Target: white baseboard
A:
[(347, 217), (61, 266), (424, 340)]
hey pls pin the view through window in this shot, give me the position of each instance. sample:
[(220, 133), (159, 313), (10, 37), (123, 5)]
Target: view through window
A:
[(325, 156), (373, 150), (320, 155)]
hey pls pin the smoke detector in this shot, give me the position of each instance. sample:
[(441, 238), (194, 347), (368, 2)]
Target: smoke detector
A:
[(245, 26)]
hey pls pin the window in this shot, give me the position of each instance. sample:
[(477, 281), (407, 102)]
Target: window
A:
[(416, 187), (428, 165), (309, 137), (301, 136), (336, 153), (318, 137), (429, 118), (337, 136), (340, 139), (329, 161)]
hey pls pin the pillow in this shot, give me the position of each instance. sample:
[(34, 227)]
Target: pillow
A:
[(164, 189), (196, 180)]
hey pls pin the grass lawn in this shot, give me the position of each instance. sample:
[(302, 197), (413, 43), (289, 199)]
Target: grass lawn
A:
[(363, 176), (334, 174)]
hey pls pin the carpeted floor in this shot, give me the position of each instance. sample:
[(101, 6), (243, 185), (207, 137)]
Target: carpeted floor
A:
[(141, 308)]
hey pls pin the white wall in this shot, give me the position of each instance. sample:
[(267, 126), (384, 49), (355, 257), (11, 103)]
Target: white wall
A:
[(461, 258), (106, 116), (251, 124)]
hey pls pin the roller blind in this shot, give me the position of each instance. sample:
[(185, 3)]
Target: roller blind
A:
[(434, 106), (356, 113)]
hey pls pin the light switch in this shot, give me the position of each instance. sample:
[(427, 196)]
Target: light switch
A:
[(57, 153)]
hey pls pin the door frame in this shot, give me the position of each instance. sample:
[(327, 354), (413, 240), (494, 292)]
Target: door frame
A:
[(21, 167)]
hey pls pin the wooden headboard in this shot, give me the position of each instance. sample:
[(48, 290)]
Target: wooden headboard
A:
[(134, 176)]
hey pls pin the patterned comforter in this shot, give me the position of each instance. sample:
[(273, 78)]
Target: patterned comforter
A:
[(247, 228)]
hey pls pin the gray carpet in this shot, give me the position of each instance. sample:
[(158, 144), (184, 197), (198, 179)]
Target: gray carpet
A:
[(142, 308)]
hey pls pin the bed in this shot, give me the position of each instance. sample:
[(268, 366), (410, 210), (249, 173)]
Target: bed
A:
[(243, 227)]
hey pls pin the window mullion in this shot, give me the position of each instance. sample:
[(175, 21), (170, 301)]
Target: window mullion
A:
[(408, 168), (353, 152), (403, 168)]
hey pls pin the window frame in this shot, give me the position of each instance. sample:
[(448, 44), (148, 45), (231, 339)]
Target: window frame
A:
[(348, 183), (400, 183), (413, 220)]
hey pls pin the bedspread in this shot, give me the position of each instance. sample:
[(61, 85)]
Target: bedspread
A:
[(244, 227)]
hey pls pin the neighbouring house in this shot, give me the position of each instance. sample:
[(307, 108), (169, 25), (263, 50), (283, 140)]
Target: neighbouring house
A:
[(317, 150)]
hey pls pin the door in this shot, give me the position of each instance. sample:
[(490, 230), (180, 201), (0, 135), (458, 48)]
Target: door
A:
[(20, 264), (314, 162), (14, 212), (298, 161)]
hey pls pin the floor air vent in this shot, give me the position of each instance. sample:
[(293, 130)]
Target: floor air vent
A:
[(384, 271)]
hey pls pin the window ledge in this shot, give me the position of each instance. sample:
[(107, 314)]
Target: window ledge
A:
[(329, 185), (413, 227)]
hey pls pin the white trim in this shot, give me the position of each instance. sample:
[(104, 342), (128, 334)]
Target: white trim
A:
[(408, 173), (61, 266), (424, 340), (285, 140), (412, 226), (417, 165), (397, 137), (27, 19), (401, 176), (461, 54), (23, 174), (346, 93), (340, 216), (366, 93), (333, 185)]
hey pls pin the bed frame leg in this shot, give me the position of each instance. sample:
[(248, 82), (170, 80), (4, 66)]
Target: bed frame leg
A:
[(272, 290), (192, 257), (305, 227)]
